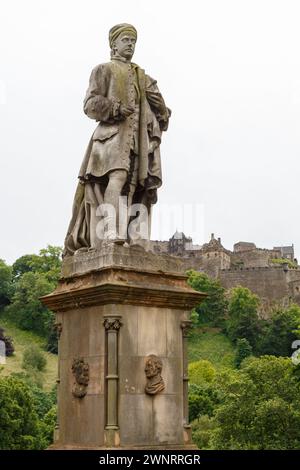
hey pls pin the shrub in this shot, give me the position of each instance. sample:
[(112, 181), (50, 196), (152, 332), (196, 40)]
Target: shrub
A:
[(201, 371), (5, 283), (243, 320), (34, 358)]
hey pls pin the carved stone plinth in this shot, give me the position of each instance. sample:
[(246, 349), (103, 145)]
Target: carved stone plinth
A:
[(123, 314)]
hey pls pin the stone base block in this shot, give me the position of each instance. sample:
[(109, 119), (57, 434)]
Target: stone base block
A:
[(122, 314)]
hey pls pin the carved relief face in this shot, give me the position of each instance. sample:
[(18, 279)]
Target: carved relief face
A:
[(83, 375), (152, 367), (155, 383), (124, 45), (81, 372)]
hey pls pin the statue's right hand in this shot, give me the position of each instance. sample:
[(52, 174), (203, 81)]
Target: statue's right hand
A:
[(126, 110)]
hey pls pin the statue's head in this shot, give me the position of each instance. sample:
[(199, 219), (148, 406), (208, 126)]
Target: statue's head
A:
[(122, 39)]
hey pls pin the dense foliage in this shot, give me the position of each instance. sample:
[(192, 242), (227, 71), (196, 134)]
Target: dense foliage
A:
[(201, 371), (31, 277), (280, 331), (237, 312), (243, 320), (243, 350), (27, 412), (22, 423), (254, 402), (256, 407), (260, 407), (214, 306)]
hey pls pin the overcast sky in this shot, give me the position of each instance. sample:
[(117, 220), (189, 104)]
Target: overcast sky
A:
[(230, 72)]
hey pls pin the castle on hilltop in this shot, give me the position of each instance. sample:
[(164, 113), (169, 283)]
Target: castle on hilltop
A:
[(272, 274)]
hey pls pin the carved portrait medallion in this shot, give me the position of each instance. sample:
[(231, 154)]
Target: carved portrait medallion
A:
[(153, 368)]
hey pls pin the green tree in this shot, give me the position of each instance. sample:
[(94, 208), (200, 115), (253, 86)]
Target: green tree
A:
[(47, 262), (203, 400), (47, 426), (243, 350), (24, 264), (277, 425), (19, 427), (213, 308), (5, 283), (259, 406), (35, 276), (243, 320), (281, 331), (26, 310), (201, 371), (43, 400)]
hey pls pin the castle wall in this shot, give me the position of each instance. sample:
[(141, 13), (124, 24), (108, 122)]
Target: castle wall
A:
[(211, 262), (243, 246), (253, 258), (247, 266), (268, 283)]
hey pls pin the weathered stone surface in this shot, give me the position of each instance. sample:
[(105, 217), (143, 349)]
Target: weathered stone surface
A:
[(149, 307), (154, 320), (136, 421), (81, 421), (112, 254), (167, 422), (133, 280)]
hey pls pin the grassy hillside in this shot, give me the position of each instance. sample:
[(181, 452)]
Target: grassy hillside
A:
[(209, 343), (22, 340)]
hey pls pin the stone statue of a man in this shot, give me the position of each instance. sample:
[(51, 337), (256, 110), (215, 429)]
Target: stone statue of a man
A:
[(123, 156)]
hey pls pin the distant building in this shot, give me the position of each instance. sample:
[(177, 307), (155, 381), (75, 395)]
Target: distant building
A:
[(243, 246), (286, 252), (179, 243), (247, 265)]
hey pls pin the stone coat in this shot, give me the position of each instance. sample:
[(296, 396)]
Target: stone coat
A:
[(111, 85)]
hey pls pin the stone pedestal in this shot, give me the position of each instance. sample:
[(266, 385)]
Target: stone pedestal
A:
[(115, 308)]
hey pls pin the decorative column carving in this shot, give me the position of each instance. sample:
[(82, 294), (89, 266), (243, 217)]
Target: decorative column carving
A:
[(185, 326), (58, 328), (112, 325)]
